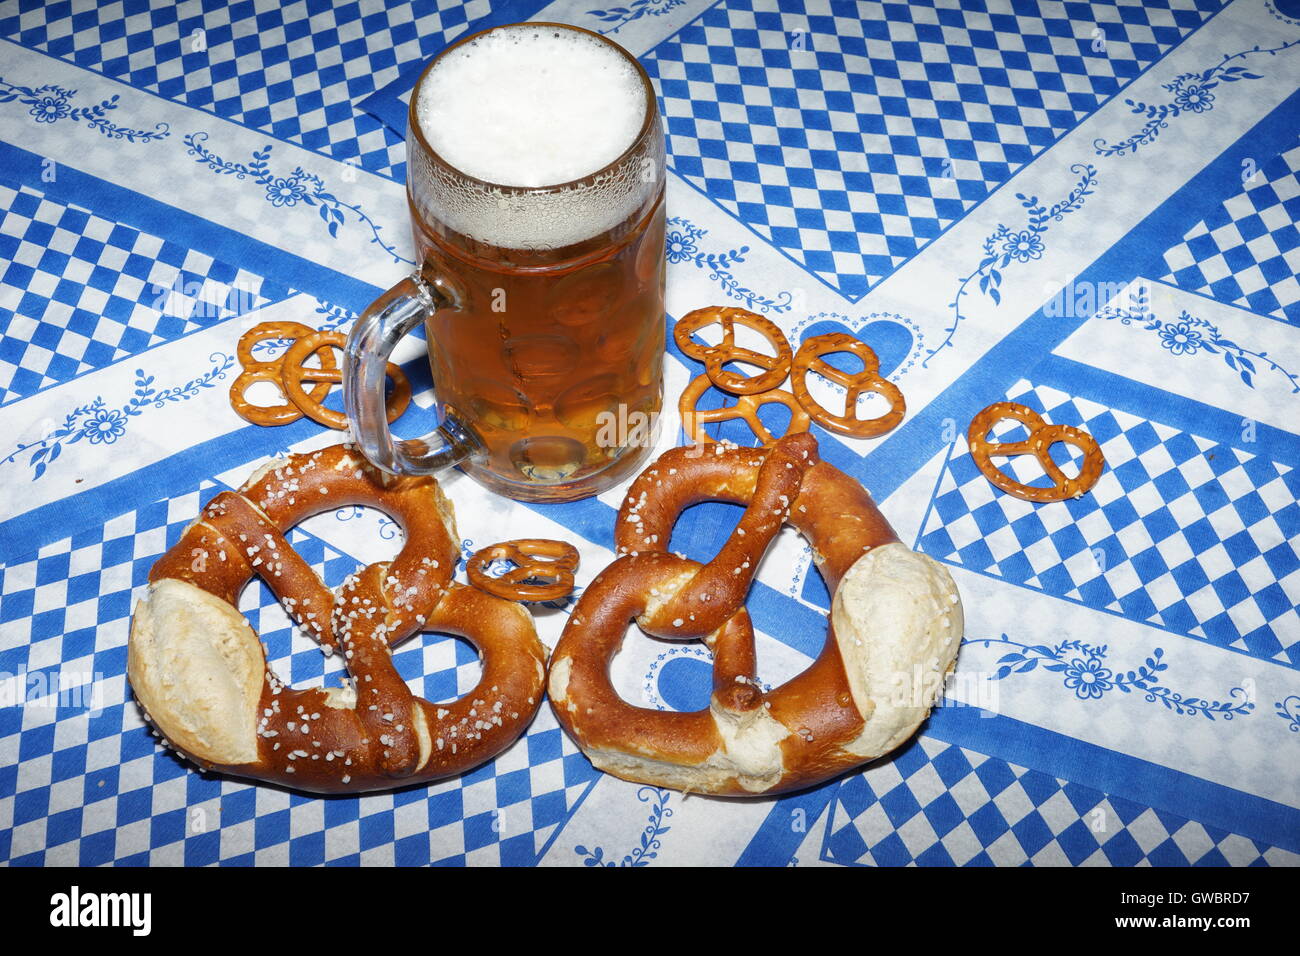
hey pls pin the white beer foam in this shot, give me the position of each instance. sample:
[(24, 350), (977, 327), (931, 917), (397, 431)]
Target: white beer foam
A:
[(531, 106), (537, 107)]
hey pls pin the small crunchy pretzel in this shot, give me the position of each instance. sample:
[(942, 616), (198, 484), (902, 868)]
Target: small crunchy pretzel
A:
[(201, 674), (746, 408), (715, 357), (535, 559), (855, 384), (895, 619), (256, 370), (294, 373), (1041, 437), (267, 331)]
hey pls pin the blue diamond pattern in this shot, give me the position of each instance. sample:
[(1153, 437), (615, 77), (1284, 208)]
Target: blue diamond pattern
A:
[(295, 70), (852, 134), (111, 291), (1247, 251), (958, 807), (143, 795), (1145, 542)]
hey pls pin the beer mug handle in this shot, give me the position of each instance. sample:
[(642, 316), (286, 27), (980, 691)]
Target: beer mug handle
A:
[(365, 358)]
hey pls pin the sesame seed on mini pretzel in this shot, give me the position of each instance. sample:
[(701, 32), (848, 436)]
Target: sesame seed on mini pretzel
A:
[(1041, 438), (716, 357), (855, 384)]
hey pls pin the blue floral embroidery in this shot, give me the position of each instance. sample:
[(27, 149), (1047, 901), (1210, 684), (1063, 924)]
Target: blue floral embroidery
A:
[(98, 424), (681, 245), (621, 16), (105, 426), (801, 569), (387, 526), (1084, 673), (1289, 710), (333, 317), (1087, 678), (1192, 93), (817, 324), (1190, 335), (650, 685), (49, 104), (1180, 338), (1023, 246), (285, 192), (49, 108), (650, 842), (1005, 246)]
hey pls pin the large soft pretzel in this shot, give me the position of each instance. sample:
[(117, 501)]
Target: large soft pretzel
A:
[(895, 626), (202, 677)]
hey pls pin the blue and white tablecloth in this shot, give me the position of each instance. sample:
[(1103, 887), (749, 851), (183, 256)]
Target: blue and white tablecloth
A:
[(1088, 207)]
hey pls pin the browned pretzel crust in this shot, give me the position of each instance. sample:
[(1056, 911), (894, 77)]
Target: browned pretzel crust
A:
[(1041, 437), (293, 373), (893, 609), (255, 370), (201, 674), (854, 384), (715, 357), (535, 559), (746, 408)]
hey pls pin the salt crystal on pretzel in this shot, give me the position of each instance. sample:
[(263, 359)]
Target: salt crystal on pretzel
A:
[(201, 675), (896, 621)]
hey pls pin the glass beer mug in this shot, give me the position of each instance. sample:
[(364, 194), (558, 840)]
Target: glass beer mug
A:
[(541, 267)]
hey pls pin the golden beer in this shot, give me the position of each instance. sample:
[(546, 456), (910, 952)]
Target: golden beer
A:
[(542, 303)]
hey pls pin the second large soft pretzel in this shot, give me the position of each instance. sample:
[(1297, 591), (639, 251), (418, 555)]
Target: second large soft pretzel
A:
[(896, 623)]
